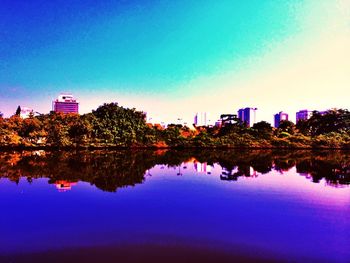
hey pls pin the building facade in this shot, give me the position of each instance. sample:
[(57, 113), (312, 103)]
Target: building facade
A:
[(247, 116), (278, 117), (201, 119), (303, 115), (65, 103)]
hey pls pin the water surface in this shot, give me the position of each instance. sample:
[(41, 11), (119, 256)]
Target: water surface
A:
[(175, 206)]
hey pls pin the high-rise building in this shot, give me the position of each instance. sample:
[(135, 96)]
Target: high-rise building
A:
[(201, 119), (247, 116), (65, 103), (303, 115), (281, 116)]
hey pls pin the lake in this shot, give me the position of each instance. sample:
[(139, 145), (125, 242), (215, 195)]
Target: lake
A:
[(175, 206)]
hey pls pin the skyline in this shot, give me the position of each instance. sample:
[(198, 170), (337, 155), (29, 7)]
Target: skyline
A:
[(67, 103), (174, 59)]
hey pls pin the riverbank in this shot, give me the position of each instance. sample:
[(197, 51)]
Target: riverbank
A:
[(92, 148)]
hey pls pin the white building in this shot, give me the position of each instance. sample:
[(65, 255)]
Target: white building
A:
[(201, 119)]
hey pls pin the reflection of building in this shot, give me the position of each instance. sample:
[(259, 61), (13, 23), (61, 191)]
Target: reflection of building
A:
[(281, 116), (247, 116), (201, 119), (201, 167), (65, 103), (303, 115), (252, 172), (63, 186)]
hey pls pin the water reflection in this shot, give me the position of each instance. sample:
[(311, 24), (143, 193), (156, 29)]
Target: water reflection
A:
[(110, 170)]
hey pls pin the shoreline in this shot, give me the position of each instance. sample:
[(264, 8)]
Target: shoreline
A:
[(24, 148)]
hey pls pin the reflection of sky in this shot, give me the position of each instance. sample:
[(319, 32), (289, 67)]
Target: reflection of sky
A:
[(284, 214), (175, 58), (298, 186)]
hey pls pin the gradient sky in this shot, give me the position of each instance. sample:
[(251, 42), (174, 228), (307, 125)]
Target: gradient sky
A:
[(174, 58)]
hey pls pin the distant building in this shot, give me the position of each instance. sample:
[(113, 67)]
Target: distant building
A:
[(201, 119), (247, 115), (278, 117), (303, 115), (65, 103), (25, 112), (147, 117), (218, 123)]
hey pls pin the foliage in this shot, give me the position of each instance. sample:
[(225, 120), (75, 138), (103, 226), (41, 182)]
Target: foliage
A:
[(118, 126), (262, 129), (113, 126), (18, 111), (287, 126), (326, 122)]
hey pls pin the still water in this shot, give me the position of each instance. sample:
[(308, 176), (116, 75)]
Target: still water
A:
[(174, 206)]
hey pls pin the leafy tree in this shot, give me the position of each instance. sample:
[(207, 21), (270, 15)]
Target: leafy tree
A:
[(287, 126), (57, 125), (330, 121), (80, 130), (262, 129), (303, 127), (31, 130), (18, 111), (119, 126)]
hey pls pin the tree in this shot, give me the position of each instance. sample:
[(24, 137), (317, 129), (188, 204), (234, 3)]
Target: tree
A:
[(18, 111), (303, 127), (119, 126), (327, 122), (287, 126), (57, 126), (263, 129), (80, 130)]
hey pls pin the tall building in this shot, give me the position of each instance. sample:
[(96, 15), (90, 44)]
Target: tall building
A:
[(247, 115), (281, 116), (201, 119), (303, 115), (65, 103)]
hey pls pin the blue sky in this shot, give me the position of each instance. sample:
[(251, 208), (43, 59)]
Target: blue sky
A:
[(169, 58)]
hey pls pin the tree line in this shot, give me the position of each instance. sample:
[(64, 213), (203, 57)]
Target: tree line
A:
[(111, 125)]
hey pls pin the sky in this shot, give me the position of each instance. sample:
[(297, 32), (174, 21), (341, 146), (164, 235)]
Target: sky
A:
[(172, 59)]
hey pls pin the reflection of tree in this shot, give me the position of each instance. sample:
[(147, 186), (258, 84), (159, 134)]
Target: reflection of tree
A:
[(110, 170), (334, 168)]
